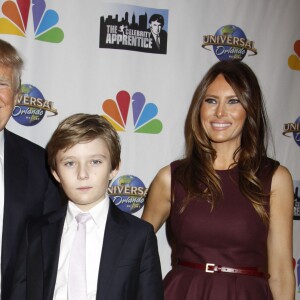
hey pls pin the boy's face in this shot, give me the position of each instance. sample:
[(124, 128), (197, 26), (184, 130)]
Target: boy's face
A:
[(84, 172)]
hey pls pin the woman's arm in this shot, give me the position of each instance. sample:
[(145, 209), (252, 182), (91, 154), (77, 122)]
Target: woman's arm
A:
[(280, 248), (158, 203)]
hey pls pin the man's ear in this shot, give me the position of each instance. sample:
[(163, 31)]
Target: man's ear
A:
[(55, 175), (16, 96)]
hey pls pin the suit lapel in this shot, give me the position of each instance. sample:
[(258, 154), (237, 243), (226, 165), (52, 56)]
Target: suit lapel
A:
[(51, 238), (13, 160), (114, 236), (15, 188)]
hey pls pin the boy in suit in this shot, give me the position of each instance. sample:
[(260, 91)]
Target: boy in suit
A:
[(121, 259)]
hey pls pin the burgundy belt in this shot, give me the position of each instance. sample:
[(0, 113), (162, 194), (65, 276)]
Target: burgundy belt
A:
[(212, 268)]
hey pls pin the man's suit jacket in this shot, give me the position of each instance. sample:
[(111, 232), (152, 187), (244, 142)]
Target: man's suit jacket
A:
[(129, 267), (29, 192)]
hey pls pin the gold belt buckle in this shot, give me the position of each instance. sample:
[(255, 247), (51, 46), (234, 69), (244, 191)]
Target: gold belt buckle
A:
[(207, 266)]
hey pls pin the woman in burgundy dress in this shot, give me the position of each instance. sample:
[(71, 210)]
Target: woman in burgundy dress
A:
[(228, 206)]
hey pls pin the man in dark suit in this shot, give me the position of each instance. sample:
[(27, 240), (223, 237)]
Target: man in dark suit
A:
[(26, 187), (158, 35), (118, 256)]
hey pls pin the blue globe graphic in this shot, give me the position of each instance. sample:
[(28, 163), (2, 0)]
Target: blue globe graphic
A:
[(224, 52), (27, 115), (130, 196), (297, 134)]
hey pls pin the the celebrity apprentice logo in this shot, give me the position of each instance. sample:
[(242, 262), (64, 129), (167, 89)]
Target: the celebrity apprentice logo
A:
[(134, 28), (229, 42)]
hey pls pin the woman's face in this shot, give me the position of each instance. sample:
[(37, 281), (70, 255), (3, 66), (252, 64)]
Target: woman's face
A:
[(222, 114)]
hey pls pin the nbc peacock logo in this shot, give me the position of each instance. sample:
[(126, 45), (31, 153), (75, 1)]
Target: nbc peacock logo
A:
[(143, 114), (294, 59), (16, 16)]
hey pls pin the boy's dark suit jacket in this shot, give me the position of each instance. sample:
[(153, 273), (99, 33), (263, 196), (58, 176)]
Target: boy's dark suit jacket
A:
[(29, 192), (129, 267)]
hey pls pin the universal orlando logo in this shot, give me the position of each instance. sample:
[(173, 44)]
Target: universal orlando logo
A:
[(31, 106), (293, 128), (128, 192), (229, 42)]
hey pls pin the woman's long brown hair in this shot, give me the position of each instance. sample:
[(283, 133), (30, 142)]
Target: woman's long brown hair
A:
[(196, 172)]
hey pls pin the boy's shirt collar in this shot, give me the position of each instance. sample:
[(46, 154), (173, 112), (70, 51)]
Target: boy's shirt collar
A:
[(98, 212)]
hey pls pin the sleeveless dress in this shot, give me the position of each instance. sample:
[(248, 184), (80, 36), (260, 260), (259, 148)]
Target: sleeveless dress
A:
[(231, 235)]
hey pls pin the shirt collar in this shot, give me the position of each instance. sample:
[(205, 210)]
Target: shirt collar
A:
[(98, 212)]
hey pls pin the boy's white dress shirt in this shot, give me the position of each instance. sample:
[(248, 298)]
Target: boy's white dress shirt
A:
[(94, 241)]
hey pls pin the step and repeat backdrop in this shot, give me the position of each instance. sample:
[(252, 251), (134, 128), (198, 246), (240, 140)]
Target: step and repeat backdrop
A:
[(104, 57)]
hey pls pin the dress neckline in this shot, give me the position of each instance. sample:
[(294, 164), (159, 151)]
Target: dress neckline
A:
[(227, 170)]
